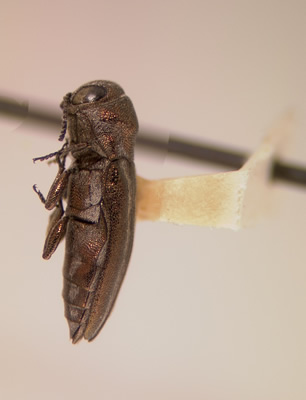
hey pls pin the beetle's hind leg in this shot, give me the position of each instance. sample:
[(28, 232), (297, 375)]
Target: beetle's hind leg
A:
[(56, 231)]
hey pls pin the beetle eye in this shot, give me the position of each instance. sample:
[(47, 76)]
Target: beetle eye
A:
[(88, 94)]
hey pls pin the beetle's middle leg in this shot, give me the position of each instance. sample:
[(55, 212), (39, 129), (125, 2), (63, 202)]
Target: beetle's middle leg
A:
[(57, 189), (40, 195), (58, 221)]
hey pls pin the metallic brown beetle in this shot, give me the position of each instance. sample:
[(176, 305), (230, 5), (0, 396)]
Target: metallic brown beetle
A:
[(99, 188)]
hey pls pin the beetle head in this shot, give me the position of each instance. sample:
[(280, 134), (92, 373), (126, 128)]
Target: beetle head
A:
[(100, 114)]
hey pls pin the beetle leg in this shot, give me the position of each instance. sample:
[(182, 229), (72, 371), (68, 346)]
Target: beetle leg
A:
[(57, 188), (56, 232), (55, 216), (40, 195), (51, 155), (56, 191), (62, 153), (43, 158)]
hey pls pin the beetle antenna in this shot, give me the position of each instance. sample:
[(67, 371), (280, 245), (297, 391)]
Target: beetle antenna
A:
[(66, 99)]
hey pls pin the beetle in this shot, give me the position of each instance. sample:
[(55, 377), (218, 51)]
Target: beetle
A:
[(99, 190)]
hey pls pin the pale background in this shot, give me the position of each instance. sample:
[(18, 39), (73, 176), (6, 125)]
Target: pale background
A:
[(203, 314)]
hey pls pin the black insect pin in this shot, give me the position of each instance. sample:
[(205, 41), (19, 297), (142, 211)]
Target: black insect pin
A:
[(99, 189)]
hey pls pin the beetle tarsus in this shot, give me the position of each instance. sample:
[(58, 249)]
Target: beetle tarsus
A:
[(40, 195)]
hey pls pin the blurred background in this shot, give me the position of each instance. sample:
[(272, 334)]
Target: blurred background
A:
[(202, 314)]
